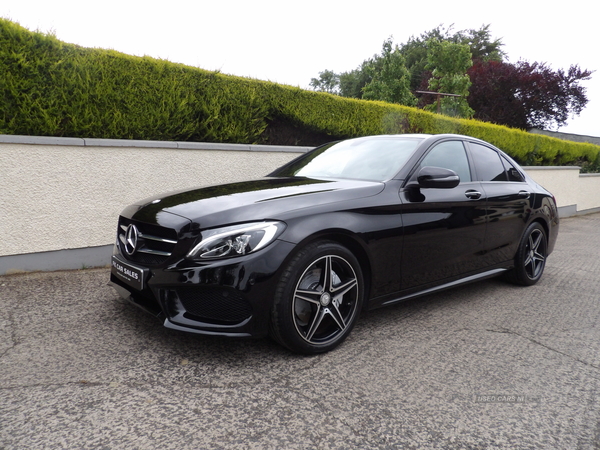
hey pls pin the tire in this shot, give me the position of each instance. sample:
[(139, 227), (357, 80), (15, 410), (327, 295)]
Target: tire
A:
[(318, 298), (530, 259)]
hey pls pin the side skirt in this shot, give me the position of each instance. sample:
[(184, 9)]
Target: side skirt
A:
[(441, 287)]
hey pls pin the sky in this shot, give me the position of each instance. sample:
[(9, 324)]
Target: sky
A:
[(290, 42)]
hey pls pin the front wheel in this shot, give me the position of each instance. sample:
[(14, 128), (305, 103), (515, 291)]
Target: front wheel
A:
[(530, 259), (318, 298)]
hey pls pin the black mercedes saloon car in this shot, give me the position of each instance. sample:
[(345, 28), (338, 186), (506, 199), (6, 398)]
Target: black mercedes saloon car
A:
[(355, 224)]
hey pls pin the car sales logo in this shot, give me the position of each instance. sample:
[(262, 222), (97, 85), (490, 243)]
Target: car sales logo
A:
[(131, 239)]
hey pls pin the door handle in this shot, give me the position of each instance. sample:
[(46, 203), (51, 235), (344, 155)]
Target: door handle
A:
[(473, 194), (524, 194)]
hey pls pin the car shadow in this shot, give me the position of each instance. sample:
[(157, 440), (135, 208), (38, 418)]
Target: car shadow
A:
[(218, 349)]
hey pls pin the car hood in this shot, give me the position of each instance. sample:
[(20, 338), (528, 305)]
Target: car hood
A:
[(266, 198)]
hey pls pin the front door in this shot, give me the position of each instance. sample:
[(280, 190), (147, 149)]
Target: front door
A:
[(444, 229)]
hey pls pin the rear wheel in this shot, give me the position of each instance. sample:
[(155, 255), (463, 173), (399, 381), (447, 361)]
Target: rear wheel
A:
[(530, 259), (317, 299)]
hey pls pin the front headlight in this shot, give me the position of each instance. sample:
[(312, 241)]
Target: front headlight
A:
[(235, 240)]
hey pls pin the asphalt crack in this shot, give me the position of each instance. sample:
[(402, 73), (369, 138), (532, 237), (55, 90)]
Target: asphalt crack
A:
[(12, 331), (541, 344)]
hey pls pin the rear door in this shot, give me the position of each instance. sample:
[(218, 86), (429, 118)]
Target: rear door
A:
[(508, 202), (444, 229)]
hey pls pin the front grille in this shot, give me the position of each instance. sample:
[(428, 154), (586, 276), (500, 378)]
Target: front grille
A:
[(215, 305), (155, 244)]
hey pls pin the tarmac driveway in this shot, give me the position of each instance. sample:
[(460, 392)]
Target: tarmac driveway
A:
[(488, 365)]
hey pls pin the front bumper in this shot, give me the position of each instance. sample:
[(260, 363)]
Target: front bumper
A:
[(230, 297)]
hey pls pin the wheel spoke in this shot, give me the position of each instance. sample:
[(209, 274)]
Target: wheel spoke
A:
[(538, 261), (334, 312), (326, 276), (317, 319), (535, 243), (343, 288), (308, 296)]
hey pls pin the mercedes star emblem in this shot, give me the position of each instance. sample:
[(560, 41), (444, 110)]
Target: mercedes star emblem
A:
[(131, 239)]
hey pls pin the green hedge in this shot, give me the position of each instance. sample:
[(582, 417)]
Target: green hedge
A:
[(54, 89), (50, 88)]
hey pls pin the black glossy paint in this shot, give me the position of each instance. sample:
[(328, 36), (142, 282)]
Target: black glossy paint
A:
[(407, 238)]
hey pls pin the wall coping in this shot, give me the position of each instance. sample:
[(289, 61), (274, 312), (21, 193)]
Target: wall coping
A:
[(526, 168), (134, 143)]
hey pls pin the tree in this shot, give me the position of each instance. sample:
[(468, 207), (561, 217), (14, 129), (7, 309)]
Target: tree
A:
[(328, 81), (351, 84), (480, 43), (391, 83), (526, 95), (522, 95), (449, 63)]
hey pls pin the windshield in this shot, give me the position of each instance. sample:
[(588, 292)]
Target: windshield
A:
[(374, 158)]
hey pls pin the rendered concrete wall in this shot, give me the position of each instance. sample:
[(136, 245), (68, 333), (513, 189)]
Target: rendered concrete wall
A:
[(55, 197), (563, 182), (589, 192), (60, 194), (571, 189)]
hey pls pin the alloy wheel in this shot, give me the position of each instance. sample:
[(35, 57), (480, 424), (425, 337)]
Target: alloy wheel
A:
[(535, 254), (325, 300)]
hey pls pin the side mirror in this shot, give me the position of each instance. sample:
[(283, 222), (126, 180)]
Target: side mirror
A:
[(437, 177)]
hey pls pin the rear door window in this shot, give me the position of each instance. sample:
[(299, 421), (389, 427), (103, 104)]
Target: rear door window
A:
[(511, 171), (488, 164)]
